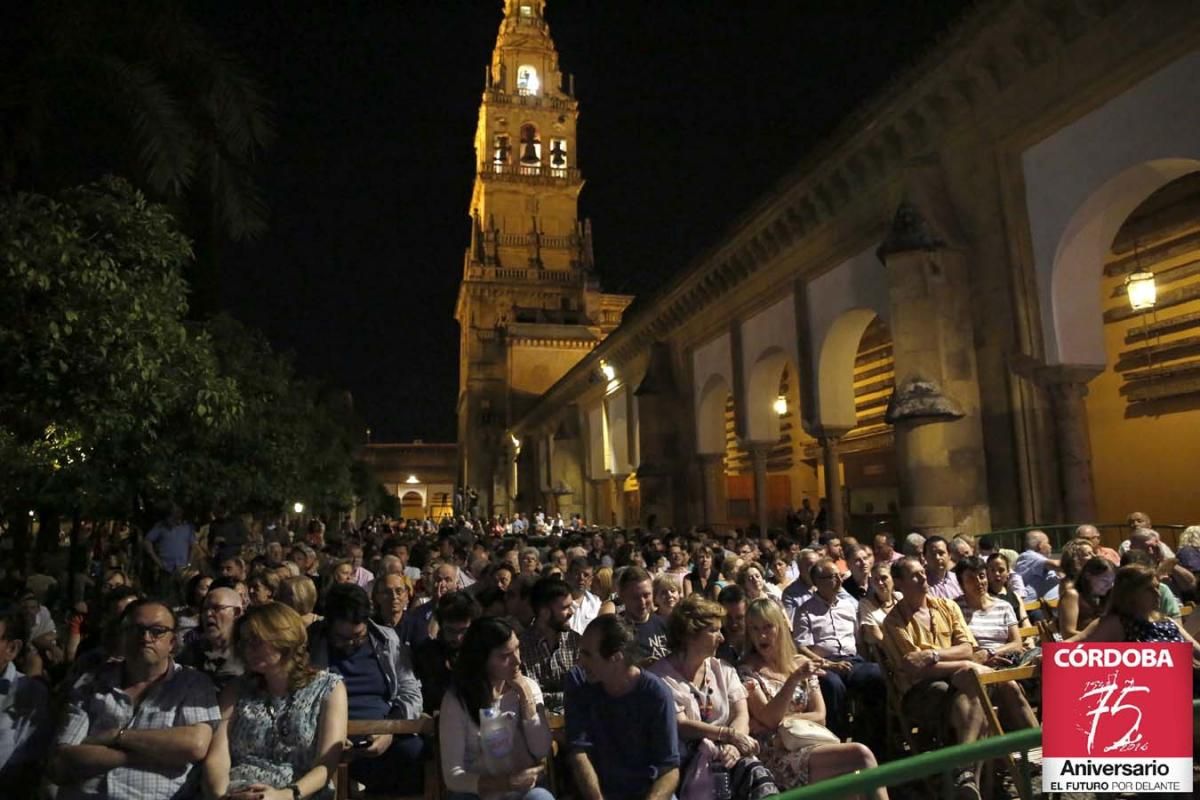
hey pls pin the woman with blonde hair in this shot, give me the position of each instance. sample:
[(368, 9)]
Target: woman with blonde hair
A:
[(781, 684), (710, 701), (282, 722), (666, 595), (602, 584), (300, 595)]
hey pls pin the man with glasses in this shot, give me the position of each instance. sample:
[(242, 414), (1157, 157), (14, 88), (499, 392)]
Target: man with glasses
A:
[(1091, 535), (825, 629), (380, 684), (391, 595), (25, 726), (137, 727), (434, 658), (415, 627), (211, 651)]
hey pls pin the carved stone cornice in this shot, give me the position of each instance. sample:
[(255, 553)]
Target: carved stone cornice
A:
[(962, 76)]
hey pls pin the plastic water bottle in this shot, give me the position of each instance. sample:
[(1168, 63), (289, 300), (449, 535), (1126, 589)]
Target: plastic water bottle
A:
[(496, 738)]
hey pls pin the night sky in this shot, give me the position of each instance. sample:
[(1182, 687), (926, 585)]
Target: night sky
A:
[(690, 110)]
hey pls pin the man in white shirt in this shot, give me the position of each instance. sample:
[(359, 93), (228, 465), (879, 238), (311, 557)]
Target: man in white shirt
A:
[(825, 628), (586, 605)]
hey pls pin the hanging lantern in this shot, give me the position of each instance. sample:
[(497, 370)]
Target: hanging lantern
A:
[(1141, 290), (780, 405)]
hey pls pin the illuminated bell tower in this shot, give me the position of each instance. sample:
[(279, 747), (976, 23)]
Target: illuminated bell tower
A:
[(529, 306)]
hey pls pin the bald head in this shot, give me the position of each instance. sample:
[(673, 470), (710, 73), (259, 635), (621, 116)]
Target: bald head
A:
[(1037, 541)]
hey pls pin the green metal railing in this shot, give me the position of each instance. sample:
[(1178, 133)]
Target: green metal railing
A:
[(922, 765), (1014, 538)]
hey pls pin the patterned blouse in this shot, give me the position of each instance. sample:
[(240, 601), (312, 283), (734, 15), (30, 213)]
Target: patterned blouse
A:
[(273, 740)]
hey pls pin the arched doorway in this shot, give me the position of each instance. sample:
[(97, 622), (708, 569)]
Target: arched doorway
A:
[(1143, 409), (412, 505), (856, 381)]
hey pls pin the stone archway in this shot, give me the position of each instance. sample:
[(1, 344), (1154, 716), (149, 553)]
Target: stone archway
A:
[(412, 505)]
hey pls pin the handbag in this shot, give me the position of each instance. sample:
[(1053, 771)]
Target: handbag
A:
[(797, 733)]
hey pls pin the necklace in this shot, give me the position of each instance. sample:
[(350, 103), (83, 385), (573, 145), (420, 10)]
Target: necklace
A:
[(703, 696), (279, 719)]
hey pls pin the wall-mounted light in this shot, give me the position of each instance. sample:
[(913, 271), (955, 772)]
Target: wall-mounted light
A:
[(412, 479), (610, 373), (780, 405), (1142, 291), (298, 507), (516, 443)]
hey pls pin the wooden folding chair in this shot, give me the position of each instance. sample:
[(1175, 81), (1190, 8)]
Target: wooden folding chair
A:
[(422, 726), (980, 682)]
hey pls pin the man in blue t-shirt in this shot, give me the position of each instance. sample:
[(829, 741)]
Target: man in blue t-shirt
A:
[(622, 737)]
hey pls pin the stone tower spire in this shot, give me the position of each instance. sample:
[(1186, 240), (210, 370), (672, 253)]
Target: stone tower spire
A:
[(529, 306)]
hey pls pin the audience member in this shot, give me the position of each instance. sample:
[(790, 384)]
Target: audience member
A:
[(434, 658), (550, 646), (377, 673), (622, 734), (211, 650), (938, 565), (780, 685), (283, 723), (136, 727), (636, 590), (710, 704), (25, 723)]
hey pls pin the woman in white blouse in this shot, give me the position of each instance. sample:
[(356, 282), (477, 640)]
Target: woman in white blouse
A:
[(493, 730)]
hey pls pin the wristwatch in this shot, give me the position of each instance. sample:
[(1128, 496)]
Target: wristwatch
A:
[(296, 794), (936, 656)]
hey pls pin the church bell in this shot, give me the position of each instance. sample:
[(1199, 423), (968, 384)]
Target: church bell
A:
[(529, 154)]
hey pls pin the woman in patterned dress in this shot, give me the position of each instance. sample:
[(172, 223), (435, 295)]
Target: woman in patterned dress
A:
[(282, 723), (779, 684)]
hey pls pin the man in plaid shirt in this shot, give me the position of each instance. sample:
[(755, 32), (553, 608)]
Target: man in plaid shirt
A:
[(137, 729), (549, 647)]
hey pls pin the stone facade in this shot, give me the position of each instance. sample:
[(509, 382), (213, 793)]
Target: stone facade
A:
[(529, 306), (970, 220)]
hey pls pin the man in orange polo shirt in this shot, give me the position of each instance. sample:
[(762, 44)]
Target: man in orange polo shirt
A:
[(932, 653)]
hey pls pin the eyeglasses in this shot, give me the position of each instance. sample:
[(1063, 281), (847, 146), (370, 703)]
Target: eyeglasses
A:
[(217, 608), (156, 632)]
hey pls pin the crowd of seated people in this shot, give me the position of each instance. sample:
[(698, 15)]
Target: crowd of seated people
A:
[(229, 660)]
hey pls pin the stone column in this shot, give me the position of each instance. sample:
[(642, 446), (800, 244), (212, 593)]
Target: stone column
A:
[(935, 409), (758, 455), (1067, 387), (618, 499), (715, 502), (832, 462)]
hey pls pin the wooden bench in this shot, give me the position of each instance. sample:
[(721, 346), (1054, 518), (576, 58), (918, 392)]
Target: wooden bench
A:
[(424, 725)]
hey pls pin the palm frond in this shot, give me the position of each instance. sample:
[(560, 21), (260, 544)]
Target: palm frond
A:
[(240, 208), (165, 139)]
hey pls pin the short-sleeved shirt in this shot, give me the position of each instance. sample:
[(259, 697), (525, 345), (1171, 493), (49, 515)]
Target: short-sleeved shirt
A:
[(25, 725), (184, 697), (652, 636), (990, 626), (173, 544), (630, 740), (1039, 577), (711, 701), (902, 634), (829, 630)]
